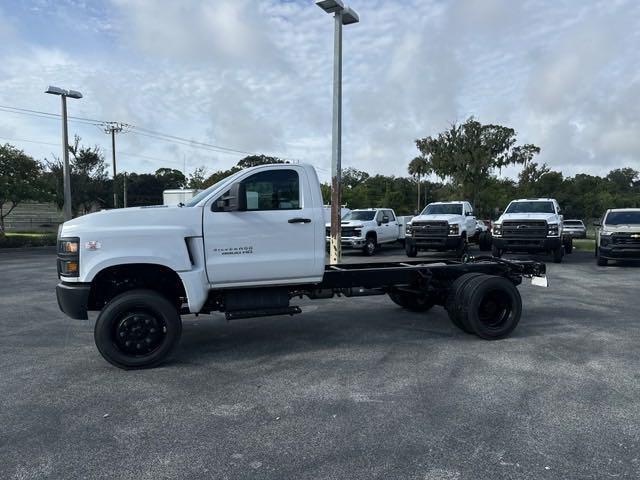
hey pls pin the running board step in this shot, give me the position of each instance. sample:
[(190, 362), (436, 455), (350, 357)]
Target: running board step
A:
[(262, 312)]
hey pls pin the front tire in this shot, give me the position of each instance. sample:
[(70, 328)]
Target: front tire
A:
[(410, 250), (496, 252), (568, 247), (558, 253), (370, 246), (138, 329), (463, 246), (602, 262)]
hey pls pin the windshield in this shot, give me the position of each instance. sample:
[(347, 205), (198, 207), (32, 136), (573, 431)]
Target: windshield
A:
[(530, 207), (205, 193), (623, 218), (359, 215), (573, 223), (443, 209)]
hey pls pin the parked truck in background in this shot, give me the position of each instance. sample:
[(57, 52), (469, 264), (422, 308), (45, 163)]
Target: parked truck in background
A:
[(248, 246), (533, 225), (441, 226), (367, 229), (618, 235)]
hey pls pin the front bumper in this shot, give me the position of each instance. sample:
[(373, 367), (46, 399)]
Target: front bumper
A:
[(73, 299), (527, 244), (618, 252), (436, 243)]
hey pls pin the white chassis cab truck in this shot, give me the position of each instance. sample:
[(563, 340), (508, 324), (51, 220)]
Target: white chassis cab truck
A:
[(442, 226), (248, 246), (367, 229), (531, 225)]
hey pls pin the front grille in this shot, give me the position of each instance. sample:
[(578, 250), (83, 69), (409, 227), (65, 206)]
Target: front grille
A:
[(346, 232), (430, 229), (525, 228), (626, 239)]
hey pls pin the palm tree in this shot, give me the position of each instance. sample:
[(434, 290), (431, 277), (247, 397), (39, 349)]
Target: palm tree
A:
[(419, 167)]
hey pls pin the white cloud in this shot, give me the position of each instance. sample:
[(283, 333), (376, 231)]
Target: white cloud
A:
[(257, 76)]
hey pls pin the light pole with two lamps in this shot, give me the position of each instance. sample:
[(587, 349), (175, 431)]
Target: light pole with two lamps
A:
[(65, 146), (343, 15)]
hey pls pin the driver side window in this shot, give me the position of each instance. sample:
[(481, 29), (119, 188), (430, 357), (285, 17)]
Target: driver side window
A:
[(273, 190)]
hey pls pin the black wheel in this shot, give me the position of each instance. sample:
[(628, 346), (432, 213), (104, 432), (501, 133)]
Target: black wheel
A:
[(137, 329), (602, 262), (491, 307), (558, 253), (496, 252), (484, 241), (370, 246), (462, 247), (411, 301), (410, 250), (568, 247), (453, 304)]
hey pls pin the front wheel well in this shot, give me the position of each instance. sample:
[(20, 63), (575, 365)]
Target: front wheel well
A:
[(113, 281)]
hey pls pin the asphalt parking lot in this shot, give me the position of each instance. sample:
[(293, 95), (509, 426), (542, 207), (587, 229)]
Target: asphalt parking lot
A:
[(351, 389)]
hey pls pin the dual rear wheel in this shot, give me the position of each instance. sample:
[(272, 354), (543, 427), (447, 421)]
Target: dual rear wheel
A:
[(485, 305)]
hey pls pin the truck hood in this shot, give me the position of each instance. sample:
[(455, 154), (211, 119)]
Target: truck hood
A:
[(186, 219), (626, 228), (439, 218), (548, 217)]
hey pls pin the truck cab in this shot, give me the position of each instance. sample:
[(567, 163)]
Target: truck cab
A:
[(531, 225), (367, 229), (441, 226)]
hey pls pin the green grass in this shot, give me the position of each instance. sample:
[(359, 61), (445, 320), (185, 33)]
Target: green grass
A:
[(586, 244)]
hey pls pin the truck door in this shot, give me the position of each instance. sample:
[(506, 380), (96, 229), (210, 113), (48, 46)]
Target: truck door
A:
[(272, 239), (469, 219)]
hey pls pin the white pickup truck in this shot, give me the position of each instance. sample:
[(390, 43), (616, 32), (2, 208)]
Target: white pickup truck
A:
[(531, 225), (247, 246), (442, 226), (367, 229)]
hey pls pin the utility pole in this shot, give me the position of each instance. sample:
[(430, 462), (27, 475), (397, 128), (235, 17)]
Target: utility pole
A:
[(112, 128), (124, 193)]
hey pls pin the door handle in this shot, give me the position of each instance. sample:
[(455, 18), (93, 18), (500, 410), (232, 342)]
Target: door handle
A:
[(299, 220)]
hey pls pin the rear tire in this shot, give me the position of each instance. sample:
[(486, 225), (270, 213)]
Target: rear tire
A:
[(137, 329), (484, 241), (453, 304), (491, 307), (568, 247), (411, 301)]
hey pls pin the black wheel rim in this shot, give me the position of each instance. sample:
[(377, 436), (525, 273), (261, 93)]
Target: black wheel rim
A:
[(495, 309), (139, 333)]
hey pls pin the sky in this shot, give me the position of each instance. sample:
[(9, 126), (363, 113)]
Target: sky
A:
[(256, 76)]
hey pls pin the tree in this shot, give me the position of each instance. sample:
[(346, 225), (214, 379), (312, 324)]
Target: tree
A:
[(467, 154), (170, 178), (255, 160), (90, 185), (197, 178), (20, 180), (418, 168)]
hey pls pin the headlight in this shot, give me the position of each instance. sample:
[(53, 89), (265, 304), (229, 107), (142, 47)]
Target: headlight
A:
[(553, 230), (409, 229), (68, 246), (497, 229), (606, 233), (357, 232), (454, 229)]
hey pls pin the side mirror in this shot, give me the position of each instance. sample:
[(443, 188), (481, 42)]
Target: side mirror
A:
[(467, 214), (235, 200), (385, 219)]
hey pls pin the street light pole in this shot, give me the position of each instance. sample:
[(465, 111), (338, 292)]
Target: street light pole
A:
[(65, 158), (66, 171), (343, 15)]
